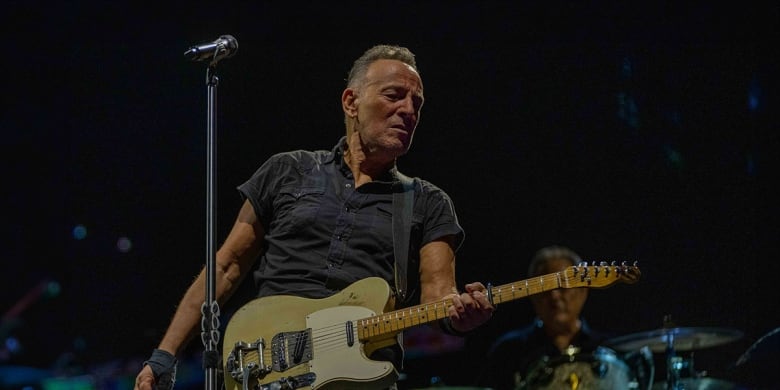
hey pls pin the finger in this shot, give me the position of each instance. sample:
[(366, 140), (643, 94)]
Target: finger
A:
[(458, 303), (482, 299), (468, 301), (145, 379), (144, 384), (476, 286), (457, 307), (478, 298)]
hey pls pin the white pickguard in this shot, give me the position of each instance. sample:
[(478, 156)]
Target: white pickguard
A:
[(333, 359)]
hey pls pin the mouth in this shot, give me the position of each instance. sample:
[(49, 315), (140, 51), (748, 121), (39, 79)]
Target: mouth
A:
[(401, 129)]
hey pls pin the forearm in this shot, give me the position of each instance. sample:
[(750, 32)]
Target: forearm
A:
[(186, 321), (437, 275), (437, 271), (466, 310), (233, 261)]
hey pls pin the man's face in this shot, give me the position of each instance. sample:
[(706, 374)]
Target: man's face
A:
[(559, 307), (388, 107)]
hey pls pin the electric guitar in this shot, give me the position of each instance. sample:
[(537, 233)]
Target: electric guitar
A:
[(289, 342)]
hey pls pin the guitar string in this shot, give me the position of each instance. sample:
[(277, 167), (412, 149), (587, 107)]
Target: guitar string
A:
[(566, 279), (334, 336), (385, 323), (327, 340)]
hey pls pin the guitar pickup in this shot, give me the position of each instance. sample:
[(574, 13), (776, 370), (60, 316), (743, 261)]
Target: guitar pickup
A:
[(289, 349)]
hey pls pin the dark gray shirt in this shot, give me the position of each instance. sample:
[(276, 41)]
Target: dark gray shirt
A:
[(322, 234)]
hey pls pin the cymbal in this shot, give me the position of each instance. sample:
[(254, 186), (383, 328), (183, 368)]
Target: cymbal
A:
[(699, 384), (683, 339)]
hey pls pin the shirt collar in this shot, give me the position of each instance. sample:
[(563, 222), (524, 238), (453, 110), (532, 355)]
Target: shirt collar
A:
[(337, 156), (337, 151)]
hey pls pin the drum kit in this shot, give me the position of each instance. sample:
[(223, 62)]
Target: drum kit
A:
[(602, 369), (680, 372), (627, 362)]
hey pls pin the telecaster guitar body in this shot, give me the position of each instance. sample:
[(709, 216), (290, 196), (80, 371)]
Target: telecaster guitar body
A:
[(288, 342), (310, 342)]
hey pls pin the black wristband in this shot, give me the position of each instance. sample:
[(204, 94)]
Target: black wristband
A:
[(446, 326), (163, 366)]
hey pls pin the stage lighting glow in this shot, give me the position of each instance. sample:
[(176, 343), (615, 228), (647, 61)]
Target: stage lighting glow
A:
[(673, 157), (12, 345), (754, 95), (79, 232), (53, 289), (124, 244)]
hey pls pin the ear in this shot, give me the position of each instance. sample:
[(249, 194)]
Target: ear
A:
[(349, 102)]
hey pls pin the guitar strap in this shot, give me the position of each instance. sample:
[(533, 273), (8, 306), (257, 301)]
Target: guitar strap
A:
[(403, 204)]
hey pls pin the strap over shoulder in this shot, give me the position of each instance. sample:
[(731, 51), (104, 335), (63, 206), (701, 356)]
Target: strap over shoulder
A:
[(403, 204)]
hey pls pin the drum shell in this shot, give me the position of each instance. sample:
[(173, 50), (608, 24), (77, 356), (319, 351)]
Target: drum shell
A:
[(602, 369)]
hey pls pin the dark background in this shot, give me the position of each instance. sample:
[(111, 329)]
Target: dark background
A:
[(628, 131)]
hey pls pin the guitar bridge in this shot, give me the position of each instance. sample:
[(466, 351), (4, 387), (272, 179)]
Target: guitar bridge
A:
[(289, 349), (238, 363), (293, 382)]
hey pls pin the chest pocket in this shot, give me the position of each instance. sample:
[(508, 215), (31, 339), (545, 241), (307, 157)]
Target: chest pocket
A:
[(298, 207)]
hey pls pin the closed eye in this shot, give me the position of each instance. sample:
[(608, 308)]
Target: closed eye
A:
[(394, 97)]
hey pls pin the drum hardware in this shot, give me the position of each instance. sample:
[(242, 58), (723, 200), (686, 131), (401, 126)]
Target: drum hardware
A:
[(757, 366), (682, 339), (643, 367), (669, 340), (570, 351), (699, 384)]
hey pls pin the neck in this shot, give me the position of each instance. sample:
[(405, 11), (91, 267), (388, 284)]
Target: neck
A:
[(563, 335), (365, 166)]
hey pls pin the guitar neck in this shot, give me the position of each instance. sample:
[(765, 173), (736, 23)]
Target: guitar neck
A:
[(575, 276), (521, 289), (396, 321)]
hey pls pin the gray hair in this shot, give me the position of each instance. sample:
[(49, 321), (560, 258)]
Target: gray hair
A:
[(357, 74), (551, 253)]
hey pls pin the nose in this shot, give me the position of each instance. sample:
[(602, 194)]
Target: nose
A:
[(407, 106), (409, 111)]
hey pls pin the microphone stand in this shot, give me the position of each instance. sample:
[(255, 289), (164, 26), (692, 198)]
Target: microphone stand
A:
[(224, 47), (210, 309)]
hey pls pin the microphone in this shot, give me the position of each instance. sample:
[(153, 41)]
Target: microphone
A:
[(224, 47)]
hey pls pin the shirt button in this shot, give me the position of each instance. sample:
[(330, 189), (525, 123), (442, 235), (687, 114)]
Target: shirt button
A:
[(348, 185)]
